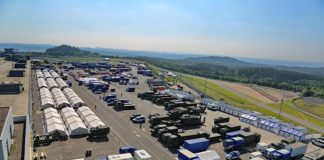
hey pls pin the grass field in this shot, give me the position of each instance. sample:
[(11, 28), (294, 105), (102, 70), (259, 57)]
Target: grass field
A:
[(317, 110), (215, 91), (287, 108)]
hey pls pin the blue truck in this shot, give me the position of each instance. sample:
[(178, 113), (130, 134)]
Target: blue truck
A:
[(281, 154), (127, 149)]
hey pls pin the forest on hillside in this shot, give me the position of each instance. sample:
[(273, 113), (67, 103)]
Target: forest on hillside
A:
[(309, 85)]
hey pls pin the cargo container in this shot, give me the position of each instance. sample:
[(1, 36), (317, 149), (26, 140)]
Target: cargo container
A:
[(297, 149), (125, 156), (184, 154), (255, 155), (142, 155), (208, 155), (196, 145), (261, 146)]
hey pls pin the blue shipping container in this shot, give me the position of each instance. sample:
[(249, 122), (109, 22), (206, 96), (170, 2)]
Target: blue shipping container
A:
[(196, 145)]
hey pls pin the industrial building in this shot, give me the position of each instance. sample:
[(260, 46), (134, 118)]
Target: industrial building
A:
[(6, 131)]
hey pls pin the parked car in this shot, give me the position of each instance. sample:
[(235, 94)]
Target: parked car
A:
[(319, 142), (134, 115), (127, 149), (212, 107), (139, 119)]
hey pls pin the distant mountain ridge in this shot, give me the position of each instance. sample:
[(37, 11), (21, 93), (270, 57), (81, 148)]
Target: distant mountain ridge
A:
[(220, 60)]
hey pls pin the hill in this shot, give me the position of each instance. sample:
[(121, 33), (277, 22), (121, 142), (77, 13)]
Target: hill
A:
[(260, 75), (66, 50)]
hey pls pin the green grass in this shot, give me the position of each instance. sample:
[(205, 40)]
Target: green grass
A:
[(317, 110), (217, 92), (287, 108)]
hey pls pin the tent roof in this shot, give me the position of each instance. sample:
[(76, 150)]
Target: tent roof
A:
[(72, 119), (76, 125), (83, 108), (91, 118), (47, 110), (67, 109), (52, 114), (95, 123), (69, 114), (52, 120), (56, 128)]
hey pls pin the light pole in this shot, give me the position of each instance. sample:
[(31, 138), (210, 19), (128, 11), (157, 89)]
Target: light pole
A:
[(283, 94)]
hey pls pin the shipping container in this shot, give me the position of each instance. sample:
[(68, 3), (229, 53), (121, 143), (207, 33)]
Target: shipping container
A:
[(196, 145)]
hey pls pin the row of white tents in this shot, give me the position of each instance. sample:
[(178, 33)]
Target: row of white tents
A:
[(39, 74), (73, 98), (75, 125), (256, 119), (46, 98), (41, 83), (60, 99), (47, 75), (89, 117), (61, 83), (54, 74), (53, 122), (51, 83)]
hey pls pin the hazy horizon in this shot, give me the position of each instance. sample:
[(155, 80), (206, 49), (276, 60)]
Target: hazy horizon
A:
[(279, 30)]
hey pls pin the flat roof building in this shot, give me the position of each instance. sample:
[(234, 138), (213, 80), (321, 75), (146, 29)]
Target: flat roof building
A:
[(6, 131)]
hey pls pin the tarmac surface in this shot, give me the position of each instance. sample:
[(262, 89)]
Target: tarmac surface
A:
[(19, 102)]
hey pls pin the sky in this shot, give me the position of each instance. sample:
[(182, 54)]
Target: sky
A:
[(269, 29)]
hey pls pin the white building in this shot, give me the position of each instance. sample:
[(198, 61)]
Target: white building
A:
[(6, 131)]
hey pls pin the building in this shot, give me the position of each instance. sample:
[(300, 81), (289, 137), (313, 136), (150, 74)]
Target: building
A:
[(6, 131)]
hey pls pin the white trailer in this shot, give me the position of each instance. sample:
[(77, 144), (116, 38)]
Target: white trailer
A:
[(125, 156), (142, 155)]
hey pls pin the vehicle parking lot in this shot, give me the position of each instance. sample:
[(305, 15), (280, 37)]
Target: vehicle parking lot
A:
[(123, 131)]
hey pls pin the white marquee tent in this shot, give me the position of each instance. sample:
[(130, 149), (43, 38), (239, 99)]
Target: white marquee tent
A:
[(47, 75), (55, 129), (77, 129), (47, 110), (61, 83), (39, 74), (51, 83), (41, 83), (54, 74)]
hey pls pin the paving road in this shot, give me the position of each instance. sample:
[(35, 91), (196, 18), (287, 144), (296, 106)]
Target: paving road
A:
[(125, 131)]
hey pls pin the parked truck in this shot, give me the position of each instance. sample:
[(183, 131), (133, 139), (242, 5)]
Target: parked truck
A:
[(244, 139), (297, 150), (191, 120), (145, 94), (155, 120), (176, 140)]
